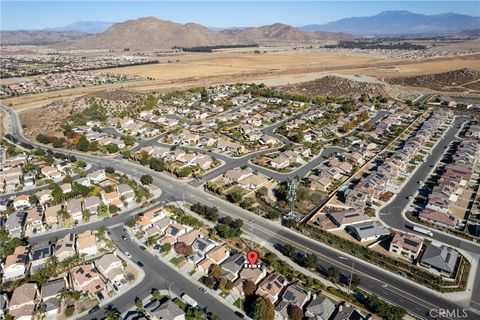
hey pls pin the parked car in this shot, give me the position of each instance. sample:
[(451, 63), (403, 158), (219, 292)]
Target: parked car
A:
[(94, 309)]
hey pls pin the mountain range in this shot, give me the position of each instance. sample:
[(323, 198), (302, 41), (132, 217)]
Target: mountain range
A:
[(390, 23), (38, 37), (88, 27), (151, 33)]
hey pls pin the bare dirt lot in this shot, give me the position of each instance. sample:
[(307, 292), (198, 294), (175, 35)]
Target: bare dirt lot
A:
[(272, 68)]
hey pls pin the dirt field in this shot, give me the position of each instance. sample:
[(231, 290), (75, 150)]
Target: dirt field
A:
[(274, 68), (422, 67), (208, 64)]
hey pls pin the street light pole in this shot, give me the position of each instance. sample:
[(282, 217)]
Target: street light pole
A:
[(169, 292), (351, 276), (351, 273)]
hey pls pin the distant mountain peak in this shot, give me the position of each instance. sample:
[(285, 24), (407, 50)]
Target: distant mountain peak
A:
[(400, 22), (90, 27)]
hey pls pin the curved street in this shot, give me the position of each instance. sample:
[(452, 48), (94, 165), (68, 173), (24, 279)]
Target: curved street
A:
[(391, 287)]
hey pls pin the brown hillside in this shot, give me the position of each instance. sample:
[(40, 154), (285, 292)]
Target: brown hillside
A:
[(456, 79), (151, 33), (334, 86), (279, 32)]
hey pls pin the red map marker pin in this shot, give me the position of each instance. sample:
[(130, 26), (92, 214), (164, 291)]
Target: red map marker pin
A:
[(252, 257)]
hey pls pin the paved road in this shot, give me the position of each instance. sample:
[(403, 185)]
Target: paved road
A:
[(386, 285), (391, 214), (159, 275), (112, 131)]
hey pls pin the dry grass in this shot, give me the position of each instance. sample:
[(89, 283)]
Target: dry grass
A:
[(273, 68)]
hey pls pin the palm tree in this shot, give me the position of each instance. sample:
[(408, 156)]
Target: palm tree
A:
[(64, 294), (139, 306), (101, 231), (40, 313), (112, 314), (157, 295)]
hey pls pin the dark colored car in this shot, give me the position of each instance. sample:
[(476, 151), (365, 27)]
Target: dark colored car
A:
[(94, 309), (140, 264)]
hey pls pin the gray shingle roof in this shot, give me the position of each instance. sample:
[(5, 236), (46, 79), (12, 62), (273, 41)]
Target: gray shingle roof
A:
[(442, 258), (52, 288)]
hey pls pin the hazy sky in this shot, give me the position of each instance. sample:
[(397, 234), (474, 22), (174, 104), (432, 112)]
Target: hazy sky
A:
[(17, 15)]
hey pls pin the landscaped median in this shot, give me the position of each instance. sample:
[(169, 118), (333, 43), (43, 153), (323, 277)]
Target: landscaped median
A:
[(236, 285)]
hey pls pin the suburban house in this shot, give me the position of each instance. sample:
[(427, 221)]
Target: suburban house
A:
[(52, 288), (347, 217), (347, 313), (15, 223), (254, 275), (21, 202), (111, 267), (367, 230), (16, 264), (237, 174), (44, 196), (203, 245), (233, 264), (126, 192), (24, 299), (84, 182), (218, 254), (176, 230), (320, 183), (296, 295), (50, 297), (111, 198), (166, 310), (86, 278), (39, 255), (272, 286), (97, 176), (280, 162), (205, 264), (51, 173), (187, 238), (292, 296), (51, 214), (74, 207), (438, 217), (34, 220), (65, 247), (253, 181), (440, 258), (87, 243), (91, 204), (407, 245), (319, 308)]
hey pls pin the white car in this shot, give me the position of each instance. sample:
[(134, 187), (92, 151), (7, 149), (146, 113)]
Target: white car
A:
[(128, 254)]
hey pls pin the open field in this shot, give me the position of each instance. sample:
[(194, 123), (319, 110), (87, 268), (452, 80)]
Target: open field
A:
[(208, 64), (277, 68)]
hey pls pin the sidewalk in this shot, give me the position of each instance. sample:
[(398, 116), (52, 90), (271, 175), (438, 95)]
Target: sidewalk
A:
[(139, 279), (166, 260)]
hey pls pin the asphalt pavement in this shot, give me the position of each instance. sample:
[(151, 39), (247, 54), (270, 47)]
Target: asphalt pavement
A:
[(388, 286)]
